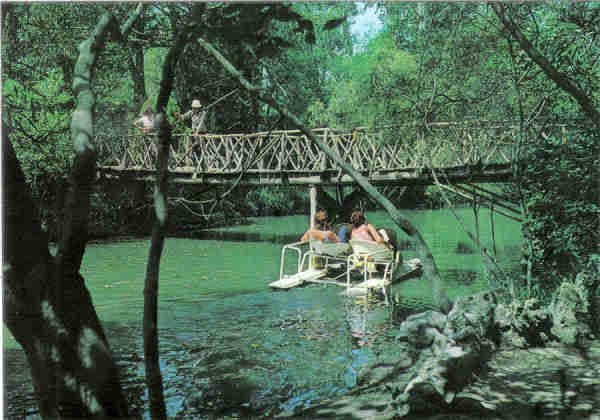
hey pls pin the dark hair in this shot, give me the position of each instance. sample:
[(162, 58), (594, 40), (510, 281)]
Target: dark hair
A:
[(357, 218), (321, 219)]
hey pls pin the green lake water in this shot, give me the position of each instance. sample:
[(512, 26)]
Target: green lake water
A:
[(231, 346)]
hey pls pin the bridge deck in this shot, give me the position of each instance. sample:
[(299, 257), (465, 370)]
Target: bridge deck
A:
[(392, 155), (491, 173)]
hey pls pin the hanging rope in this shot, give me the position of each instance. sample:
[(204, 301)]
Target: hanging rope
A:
[(498, 273)]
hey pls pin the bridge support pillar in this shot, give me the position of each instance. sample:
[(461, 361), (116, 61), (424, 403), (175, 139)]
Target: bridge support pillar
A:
[(313, 204)]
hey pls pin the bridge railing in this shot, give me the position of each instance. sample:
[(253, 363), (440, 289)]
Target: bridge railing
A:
[(399, 147)]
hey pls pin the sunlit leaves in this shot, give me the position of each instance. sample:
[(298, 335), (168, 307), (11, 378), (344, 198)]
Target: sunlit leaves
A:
[(367, 88), (48, 95), (51, 90), (40, 135)]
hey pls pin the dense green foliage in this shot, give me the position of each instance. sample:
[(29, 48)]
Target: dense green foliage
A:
[(559, 178), (562, 193), (429, 62)]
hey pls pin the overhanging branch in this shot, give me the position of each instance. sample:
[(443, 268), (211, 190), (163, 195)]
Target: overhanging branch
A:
[(560, 79)]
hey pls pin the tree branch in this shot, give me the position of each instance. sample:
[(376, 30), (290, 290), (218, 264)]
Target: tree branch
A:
[(77, 203), (131, 20), (74, 236), (487, 258), (560, 79)]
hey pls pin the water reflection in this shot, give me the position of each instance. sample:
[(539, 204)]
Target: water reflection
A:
[(460, 276), (228, 344)]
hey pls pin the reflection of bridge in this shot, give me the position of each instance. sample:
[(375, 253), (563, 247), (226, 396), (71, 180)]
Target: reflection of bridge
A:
[(393, 155)]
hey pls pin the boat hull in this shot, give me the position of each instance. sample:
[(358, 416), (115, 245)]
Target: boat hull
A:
[(411, 268), (298, 279)]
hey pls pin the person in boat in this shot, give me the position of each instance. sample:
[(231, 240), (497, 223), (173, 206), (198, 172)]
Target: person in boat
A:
[(362, 231), (344, 232), (321, 230)]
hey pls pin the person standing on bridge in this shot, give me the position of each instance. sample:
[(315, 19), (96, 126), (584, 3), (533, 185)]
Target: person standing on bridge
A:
[(145, 122), (198, 116), (140, 145)]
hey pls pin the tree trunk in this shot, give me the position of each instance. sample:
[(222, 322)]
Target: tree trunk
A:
[(136, 68), (9, 32), (440, 298), (51, 317), (48, 309), (151, 355)]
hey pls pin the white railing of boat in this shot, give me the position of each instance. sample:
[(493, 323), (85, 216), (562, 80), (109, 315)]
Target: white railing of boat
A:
[(293, 247)]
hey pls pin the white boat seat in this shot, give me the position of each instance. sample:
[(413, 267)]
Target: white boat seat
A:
[(371, 259), (332, 249), (372, 250)]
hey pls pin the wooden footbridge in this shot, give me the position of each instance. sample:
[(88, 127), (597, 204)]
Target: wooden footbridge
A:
[(461, 154), (391, 155)]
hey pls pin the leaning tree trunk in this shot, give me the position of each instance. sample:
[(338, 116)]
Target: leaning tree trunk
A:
[(441, 300), (48, 308)]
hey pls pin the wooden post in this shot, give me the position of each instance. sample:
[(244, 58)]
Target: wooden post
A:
[(339, 195), (321, 153), (261, 142), (187, 149), (492, 228), (477, 236), (476, 215), (313, 204)]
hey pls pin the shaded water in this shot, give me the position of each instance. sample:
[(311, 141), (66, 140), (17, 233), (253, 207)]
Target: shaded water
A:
[(231, 346)]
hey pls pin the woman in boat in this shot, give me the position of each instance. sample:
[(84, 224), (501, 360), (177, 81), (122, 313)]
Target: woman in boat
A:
[(362, 231), (320, 231)]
